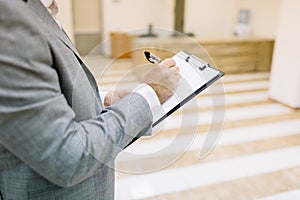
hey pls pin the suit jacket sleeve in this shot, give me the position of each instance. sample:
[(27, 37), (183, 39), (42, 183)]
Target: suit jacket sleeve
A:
[(37, 124)]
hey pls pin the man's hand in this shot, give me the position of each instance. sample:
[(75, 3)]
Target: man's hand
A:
[(163, 79), (113, 97)]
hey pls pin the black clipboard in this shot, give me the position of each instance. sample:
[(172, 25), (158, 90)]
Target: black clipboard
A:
[(196, 76), (204, 74)]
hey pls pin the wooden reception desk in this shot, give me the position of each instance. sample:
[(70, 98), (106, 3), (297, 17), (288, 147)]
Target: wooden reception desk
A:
[(231, 55)]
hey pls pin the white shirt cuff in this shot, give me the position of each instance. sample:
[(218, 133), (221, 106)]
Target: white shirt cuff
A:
[(151, 97), (102, 97)]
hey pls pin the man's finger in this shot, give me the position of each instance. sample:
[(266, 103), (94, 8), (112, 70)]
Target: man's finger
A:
[(168, 62), (175, 68)]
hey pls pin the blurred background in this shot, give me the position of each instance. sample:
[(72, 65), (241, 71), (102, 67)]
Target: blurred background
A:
[(255, 42)]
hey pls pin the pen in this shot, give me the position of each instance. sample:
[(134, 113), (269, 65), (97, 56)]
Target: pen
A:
[(151, 57)]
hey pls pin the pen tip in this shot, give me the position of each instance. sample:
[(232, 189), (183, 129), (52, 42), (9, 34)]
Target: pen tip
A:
[(147, 54)]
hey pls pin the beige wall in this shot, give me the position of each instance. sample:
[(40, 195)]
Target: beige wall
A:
[(205, 18), (87, 16), (88, 25), (126, 15), (65, 16), (210, 18)]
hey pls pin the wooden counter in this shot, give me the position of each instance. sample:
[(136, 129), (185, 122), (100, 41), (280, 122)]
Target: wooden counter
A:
[(231, 55)]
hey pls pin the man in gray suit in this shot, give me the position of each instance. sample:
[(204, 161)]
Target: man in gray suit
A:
[(57, 141)]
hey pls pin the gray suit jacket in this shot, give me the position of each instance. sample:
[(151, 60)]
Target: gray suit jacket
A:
[(56, 139)]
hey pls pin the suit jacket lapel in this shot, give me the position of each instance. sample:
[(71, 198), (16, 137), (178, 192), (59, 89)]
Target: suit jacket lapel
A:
[(40, 10)]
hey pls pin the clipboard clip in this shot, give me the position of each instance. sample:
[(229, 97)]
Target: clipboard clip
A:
[(195, 63)]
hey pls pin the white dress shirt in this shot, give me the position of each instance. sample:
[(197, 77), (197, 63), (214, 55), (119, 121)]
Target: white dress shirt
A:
[(52, 6), (143, 89)]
